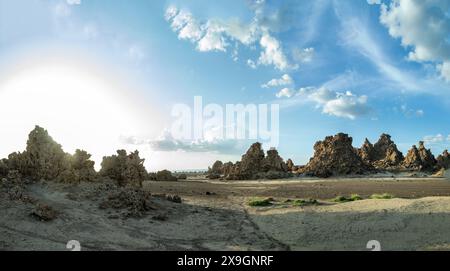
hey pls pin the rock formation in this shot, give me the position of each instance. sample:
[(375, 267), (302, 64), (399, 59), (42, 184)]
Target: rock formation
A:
[(443, 160), (253, 165), (3, 168), (290, 165), (126, 169), (382, 155), (81, 168), (216, 170), (42, 159), (273, 162), (335, 156), (420, 159), (252, 161), (366, 152)]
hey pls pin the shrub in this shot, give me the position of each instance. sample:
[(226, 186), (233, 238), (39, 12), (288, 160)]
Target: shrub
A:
[(302, 202), (257, 202), (341, 199), (355, 197)]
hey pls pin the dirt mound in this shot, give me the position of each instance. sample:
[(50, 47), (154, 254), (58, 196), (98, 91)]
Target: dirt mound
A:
[(136, 202), (419, 159), (126, 169), (335, 156), (443, 160), (43, 212)]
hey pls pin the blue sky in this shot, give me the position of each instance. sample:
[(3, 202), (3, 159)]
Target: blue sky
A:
[(359, 67)]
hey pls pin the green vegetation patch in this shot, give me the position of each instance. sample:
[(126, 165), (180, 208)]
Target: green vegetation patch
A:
[(342, 199), (302, 202), (259, 202)]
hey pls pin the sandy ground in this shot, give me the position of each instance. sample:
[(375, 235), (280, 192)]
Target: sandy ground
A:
[(215, 216)]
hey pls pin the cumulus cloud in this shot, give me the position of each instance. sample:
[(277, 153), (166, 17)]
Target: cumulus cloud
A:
[(285, 92), (218, 35), (272, 53), (345, 105), (283, 81), (422, 26)]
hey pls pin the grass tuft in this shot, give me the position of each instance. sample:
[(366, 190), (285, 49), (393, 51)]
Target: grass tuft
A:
[(258, 202), (302, 202), (342, 199)]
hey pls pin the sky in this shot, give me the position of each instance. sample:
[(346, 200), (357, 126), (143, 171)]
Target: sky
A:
[(103, 75)]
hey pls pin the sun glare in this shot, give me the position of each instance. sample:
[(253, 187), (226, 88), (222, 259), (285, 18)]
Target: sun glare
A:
[(79, 109)]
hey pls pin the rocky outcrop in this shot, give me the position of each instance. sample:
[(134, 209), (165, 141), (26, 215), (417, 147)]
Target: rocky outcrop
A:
[(126, 169), (253, 165), (335, 156), (273, 162), (42, 159), (366, 152), (3, 168), (291, 167), (252, 161), (80, 168), (383, 155), (216, 170), (443, 160), (419, 159)]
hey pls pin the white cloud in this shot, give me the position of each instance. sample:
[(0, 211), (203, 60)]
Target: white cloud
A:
[(285, 92), (167, 143), (433, 139), (423, 26), (444, 69), (218, 35), (73, 2), (251, 64), (303, 55), (283, 81), (345, 105), (184, 23), (409, 112), (272, 53), (214, 39), (338, 104)]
